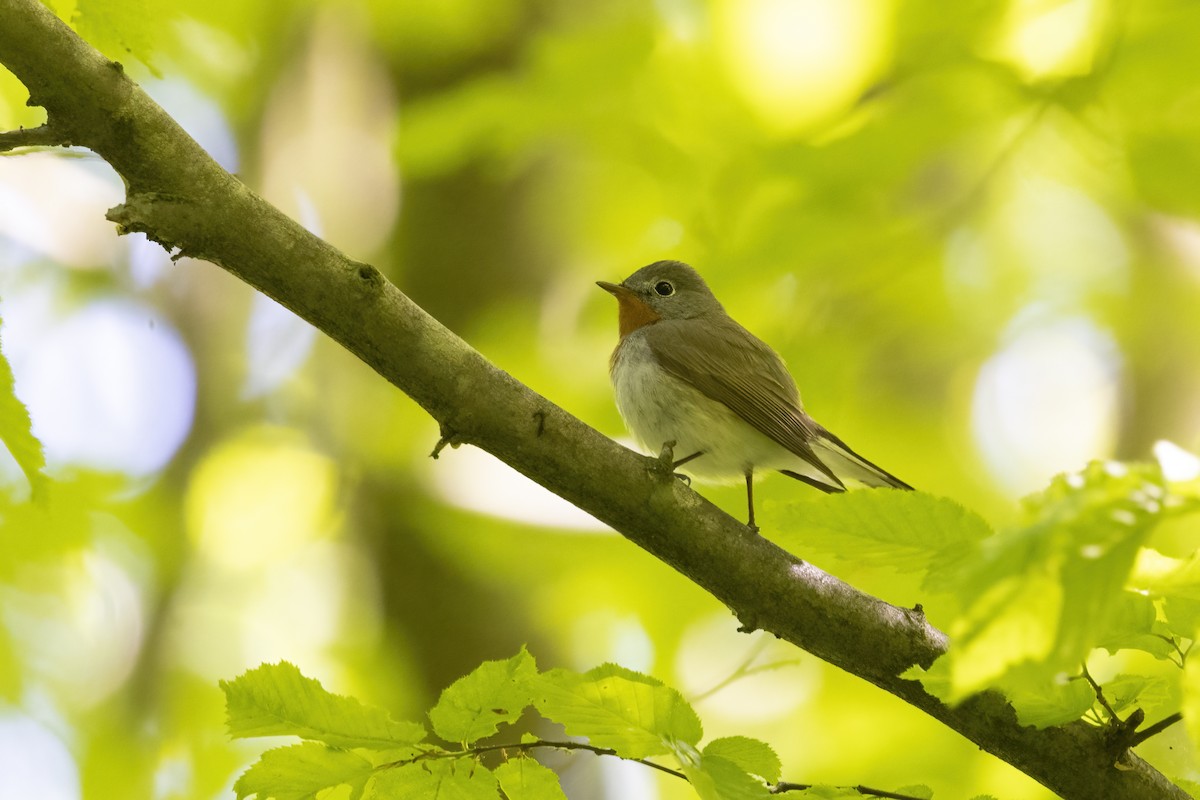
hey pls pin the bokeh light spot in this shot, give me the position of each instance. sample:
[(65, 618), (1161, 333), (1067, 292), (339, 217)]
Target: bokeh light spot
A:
[(472, 479), (1051, 38), (1047, 402), (112, 387), (710, 659), (796, 61), (34, 763), (257, 496)]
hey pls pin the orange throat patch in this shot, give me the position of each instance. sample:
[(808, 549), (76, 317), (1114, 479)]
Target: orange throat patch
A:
[(634, 314)]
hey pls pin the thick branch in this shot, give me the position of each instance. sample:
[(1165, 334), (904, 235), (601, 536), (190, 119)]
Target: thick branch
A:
[(179, 197)]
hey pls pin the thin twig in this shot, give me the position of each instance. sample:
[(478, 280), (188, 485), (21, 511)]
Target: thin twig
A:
[(525, 747), (741, 671), (1112, 715), (1156, 728), (780, 788), (41, 136)]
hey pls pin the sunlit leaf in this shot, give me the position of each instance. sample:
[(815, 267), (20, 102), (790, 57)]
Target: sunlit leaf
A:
[(300, 771), (16, 430), (1154, 694), (1133, 625), (1043, 703), (753, 756), (1042, 595), (904, 530), (458, 779), (717, 778), (526, 779), (277, 700), (120, 28), (633, 714), (494, 692)]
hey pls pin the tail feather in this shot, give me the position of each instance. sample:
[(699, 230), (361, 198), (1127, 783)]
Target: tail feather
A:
[(847, 463), (828, 488)]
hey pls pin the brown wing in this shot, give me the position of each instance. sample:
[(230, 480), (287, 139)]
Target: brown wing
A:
[(729, 364)]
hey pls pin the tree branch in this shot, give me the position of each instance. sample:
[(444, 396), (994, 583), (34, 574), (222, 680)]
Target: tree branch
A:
[(41, 136), (182, 199)]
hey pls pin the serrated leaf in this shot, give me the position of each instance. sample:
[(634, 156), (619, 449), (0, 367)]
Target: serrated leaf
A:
[(121, 29), (916, 790), (717, 778), (904, 530), (473, 706), (526, 779), (1132, 625), (826, 792), (300, 771), (752, 755), (277, 700), (1042, 703), (633, 714), (16, 430), (1154, 694), (458, 779), (1042, 595)]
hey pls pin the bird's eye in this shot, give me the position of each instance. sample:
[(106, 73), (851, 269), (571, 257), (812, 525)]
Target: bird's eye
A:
[(664, 289)]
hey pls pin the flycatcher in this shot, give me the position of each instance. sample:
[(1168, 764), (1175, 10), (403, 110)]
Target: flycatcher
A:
[(686, 374)]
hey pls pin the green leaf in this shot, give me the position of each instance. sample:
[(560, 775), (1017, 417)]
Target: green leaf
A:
[(473, 706), (1043, 595), (300, 771), (1132, 625), (717, 778), (827, 792), (122, 29), (1042, 703), (752, 755), (1181, 616), (276, 700), (458, 779), (903, 530), (526, 779), (1190, 705), (16, 429), (916, 790), (633, 714), (1154, 694)]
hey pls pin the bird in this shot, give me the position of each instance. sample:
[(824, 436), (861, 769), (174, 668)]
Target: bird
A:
[(688, 376)]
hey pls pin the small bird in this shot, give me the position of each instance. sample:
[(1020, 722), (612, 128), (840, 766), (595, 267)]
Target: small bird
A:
[(687, 375)]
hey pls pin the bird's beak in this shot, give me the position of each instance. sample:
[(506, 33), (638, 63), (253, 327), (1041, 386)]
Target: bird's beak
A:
[(615, 289)]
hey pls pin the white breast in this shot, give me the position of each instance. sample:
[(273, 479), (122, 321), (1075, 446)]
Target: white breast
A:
[(659, 408)]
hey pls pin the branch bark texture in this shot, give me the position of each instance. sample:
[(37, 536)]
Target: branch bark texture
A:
[(181, 198)]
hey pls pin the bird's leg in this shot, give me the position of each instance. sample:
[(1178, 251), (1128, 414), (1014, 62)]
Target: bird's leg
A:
[(750, 498), (667, 462), (683, 461)]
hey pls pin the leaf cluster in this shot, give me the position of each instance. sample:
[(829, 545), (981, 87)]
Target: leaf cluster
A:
[(1025, 606), (616, 711)]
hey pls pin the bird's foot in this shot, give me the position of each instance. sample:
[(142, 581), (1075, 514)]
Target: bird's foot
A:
[(665, 463)]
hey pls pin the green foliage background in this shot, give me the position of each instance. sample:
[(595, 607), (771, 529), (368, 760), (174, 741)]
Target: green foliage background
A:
[(937, 198)]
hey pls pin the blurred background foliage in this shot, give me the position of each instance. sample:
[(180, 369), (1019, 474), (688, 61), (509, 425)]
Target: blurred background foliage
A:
[(972, 229)]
